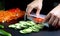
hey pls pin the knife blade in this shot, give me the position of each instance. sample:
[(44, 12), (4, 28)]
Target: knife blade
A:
[(25, 17), (41, 16)]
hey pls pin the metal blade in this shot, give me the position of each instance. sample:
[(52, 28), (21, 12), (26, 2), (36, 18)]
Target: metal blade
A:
[(25, 17), (41, 16)]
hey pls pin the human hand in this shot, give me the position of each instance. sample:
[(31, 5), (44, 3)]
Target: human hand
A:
[(53, 17), (36, 4)]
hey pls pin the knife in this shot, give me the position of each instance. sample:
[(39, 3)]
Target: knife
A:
[(33, 15), (41, 16), (25, 17)]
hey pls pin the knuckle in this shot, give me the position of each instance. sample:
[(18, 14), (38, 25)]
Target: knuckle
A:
[(39, 8), (29, 6)]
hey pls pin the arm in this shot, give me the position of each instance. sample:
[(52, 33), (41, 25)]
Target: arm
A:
[(36, 4)]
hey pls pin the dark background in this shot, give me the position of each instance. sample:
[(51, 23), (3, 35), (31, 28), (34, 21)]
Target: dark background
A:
[(2, 4), (22, 4), (48, 5)]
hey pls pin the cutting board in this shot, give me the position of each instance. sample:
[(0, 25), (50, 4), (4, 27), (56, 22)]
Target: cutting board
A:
[(43, 32)]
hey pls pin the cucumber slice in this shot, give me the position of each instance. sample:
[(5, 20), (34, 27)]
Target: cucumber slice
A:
[(12, 26), (18, 27), (26, 31), (34, 29)]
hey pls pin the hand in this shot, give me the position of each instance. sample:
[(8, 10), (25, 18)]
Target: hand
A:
[(53, 17), (37, 4)]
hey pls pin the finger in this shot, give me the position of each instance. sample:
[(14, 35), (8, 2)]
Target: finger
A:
[(47, 17), (55, 22), (51, 19), (59, 22), (38, 13), (28, 10)]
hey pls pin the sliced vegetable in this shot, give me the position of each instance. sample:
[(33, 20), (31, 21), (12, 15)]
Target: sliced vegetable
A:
[(13, 26), (1, 26), (11, 14), (4, 33), (22, 24), (14, 10), (38, 20), (34, 28), (26, 31), (29, 26)]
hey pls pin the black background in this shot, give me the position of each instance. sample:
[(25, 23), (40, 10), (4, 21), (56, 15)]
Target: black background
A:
[(48, 5)]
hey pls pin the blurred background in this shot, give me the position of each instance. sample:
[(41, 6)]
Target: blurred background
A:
[(22, 4), (2, 5)]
